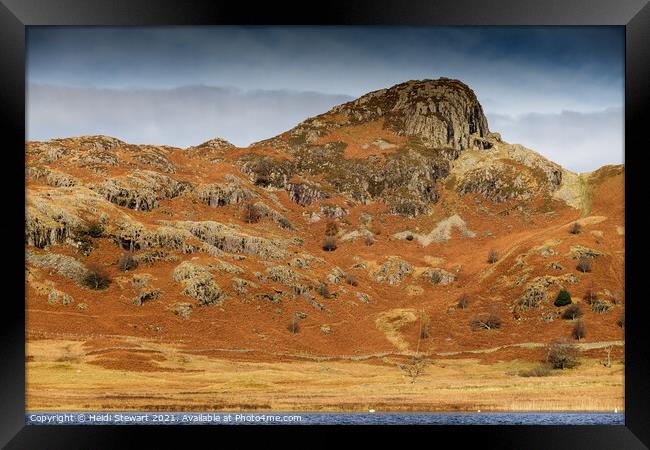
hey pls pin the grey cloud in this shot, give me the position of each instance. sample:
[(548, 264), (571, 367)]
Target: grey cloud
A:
[(579, 141), (180, 117)]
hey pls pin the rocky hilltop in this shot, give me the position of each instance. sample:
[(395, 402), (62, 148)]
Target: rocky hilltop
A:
[(440, 113), (334, 238)]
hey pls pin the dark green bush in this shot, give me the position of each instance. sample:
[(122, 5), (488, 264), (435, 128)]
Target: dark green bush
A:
[(563, 298), (95, 230)]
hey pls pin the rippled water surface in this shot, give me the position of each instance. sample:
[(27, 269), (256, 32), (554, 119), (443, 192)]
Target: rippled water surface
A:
[(221, 418)]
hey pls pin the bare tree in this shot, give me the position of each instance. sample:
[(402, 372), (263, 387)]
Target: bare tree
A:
[(463, 301), (415, 367), (584, 264), (329, 244), (575, 228), (96, 278), (572, 312), (351, 280), (493, 256), (331, 228), (127, 262), (293, 326), (608, 361), (578, 331), (488, 322), (562, 355), (591, 295), (251, 213)]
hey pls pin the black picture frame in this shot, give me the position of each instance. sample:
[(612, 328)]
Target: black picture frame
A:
[(15, 15)]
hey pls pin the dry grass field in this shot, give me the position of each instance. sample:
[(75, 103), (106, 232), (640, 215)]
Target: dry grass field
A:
[(64, 375)]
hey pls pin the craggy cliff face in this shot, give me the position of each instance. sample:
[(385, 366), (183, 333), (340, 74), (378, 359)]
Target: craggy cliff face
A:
[(442, 114)]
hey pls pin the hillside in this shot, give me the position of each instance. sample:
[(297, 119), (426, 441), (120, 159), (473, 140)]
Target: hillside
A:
[(343, 237)]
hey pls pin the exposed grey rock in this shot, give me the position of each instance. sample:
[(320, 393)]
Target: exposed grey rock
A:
[(336, 275), (55, 296), (230, 240), (182, 309), (579, 251), (393, 271), (363, 297), (269, 297), (62, 264), (439, 276), (305, 193), (444, 113), (216, 194), (198, 282), (333, 211), (141, 190)]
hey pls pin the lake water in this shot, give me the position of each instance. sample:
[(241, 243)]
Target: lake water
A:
[(229, 418)]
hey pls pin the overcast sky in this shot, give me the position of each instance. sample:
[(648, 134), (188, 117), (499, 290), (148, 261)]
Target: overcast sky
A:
[(558, 90)]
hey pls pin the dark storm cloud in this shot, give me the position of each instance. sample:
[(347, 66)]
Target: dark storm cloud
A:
[(515, 71)]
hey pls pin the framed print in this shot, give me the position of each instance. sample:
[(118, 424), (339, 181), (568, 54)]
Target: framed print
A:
[(386, 215)]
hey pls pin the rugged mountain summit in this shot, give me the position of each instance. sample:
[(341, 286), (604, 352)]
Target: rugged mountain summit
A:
[(355, 224), (398, 146), (441, 113)]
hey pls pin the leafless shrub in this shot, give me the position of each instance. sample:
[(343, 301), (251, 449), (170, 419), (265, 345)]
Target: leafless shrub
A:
[(591, 295), (424, 326), (572, 312), (324, 290), (96, 278), (463, 301), (493, 256), (584, 264), (251, 213), (127, 262), (488, 322), (578, 331), (331, 228), (351, 280), (562, 355), (415, 367), (293, 326), (621, 321), (369, 240), (608, 361), (575, 228), (329, 244)]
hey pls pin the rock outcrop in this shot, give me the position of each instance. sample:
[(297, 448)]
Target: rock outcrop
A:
[(393, 271), (198, 282), (442, 113), (141, 190)]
